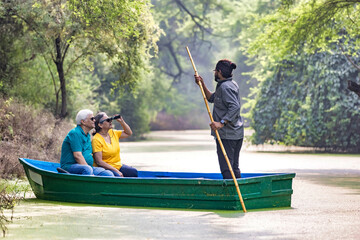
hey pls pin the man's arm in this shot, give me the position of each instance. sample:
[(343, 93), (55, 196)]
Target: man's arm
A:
[(199, 80), (75, 145), (79, 158)]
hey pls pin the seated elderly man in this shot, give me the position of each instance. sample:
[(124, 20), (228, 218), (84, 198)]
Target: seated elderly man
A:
[(76, 150)]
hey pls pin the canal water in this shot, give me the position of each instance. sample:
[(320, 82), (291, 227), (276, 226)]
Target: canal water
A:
[(325, 203)]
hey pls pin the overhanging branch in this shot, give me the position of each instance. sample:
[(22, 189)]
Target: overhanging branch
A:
[(348, 57)]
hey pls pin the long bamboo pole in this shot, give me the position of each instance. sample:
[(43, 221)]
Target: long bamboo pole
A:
[(218, 136)]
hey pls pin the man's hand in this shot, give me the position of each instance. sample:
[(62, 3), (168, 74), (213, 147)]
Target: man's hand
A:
[(199, 79), (216, 125)]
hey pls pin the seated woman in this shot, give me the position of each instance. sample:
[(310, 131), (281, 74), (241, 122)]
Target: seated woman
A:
[(106, 147)]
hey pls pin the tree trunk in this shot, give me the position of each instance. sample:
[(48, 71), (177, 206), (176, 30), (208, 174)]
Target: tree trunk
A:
[(59, 65)]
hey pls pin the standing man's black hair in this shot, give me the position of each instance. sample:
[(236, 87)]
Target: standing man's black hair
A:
[(226, 67)]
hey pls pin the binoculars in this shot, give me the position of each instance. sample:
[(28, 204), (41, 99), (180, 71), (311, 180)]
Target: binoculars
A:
[(115, 117), (111, 118)]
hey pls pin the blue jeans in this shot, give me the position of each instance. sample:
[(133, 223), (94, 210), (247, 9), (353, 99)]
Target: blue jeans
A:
[(127, 171), (88, 170)]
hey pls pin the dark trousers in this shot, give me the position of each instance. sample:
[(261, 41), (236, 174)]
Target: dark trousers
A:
[(127, 171), (232, 148)]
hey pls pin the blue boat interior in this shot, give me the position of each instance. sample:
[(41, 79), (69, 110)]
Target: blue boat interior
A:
[(52, 167)]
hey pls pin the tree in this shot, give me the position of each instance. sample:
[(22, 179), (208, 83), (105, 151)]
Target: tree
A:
[(10, 61), (210, 29), (137, 106), (184, 23), (309, 26), (67, 33)]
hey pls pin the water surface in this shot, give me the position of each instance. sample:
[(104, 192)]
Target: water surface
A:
[(325, 203)]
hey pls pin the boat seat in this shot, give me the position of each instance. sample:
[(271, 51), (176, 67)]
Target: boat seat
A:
[(60, 170)]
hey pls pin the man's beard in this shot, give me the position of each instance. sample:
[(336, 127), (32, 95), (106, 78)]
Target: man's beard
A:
[(216, 78)]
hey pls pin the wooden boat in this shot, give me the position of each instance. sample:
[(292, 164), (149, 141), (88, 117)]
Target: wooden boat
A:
[(160, 189)]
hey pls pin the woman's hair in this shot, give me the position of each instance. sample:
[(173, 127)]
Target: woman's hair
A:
[(82, 115), (226, 67), (98, 117)]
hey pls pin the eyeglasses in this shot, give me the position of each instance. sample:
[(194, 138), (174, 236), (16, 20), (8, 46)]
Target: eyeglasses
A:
[(108, 120)]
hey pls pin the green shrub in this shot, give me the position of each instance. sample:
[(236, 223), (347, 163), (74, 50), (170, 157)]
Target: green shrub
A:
[(305, 102), (8, 200)]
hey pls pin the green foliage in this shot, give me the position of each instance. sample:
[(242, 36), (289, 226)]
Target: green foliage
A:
[(82, 93), (66, 33), (135, 111), (304, 102), (7, 203), (16, 186), (33, 85), (307, 26), (124, 34), (11, 192), (137, 106), (10, 61), (302, 98), (123, 30)]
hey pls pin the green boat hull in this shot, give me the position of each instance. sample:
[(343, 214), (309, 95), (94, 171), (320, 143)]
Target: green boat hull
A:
[(160, 189)]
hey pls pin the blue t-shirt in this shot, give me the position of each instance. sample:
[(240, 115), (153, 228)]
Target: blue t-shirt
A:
[(76, 141)]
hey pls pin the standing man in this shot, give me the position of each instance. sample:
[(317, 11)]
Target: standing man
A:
[(226, 114), (76, 150)]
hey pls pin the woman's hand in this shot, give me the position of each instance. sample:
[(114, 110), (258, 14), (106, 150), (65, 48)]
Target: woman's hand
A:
[(127, 130), (119, 120), (120, 173), (101, 163)]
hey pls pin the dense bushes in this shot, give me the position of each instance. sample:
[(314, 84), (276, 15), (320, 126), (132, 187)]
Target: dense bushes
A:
[(306, 103), (30, 133)]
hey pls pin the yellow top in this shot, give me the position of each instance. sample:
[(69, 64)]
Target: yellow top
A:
[(110, 152)]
